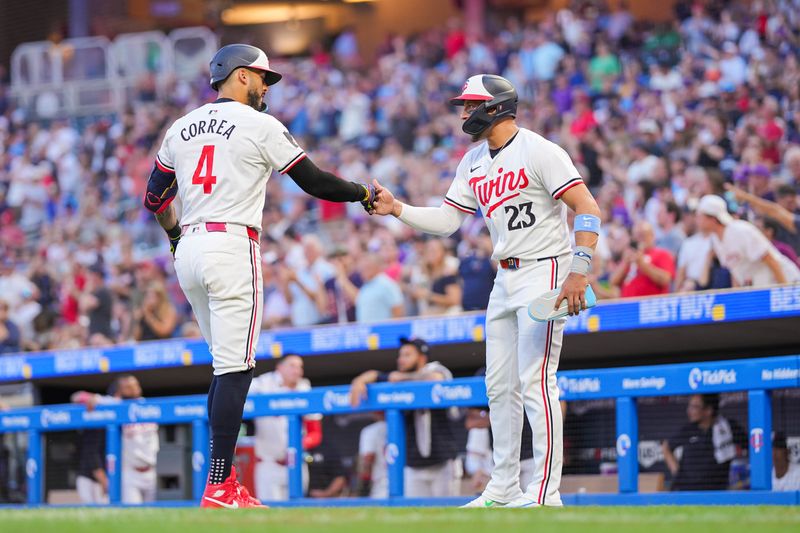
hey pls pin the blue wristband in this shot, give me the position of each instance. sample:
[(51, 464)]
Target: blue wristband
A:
[(588, 223)]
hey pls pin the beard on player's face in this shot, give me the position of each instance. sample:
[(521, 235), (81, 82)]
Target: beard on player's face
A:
[(254, 98)]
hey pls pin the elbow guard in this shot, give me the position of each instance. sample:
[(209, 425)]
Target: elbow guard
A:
[(161, 190)]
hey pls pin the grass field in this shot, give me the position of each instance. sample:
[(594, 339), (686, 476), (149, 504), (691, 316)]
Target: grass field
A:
[(407, 520)]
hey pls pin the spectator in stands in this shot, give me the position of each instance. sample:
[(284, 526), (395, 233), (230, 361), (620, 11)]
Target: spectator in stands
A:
[(709, 443), (9, 332), (306, 293), (645, 270), (271, 439), (157, 317), (342, 290), (785, 474), (770, 229), (440, 292), (373, 479), (741, 248), (477, 272), (694, 257), (96, 303), (378, 298), (670, 235), (430, 443), (784, 211), (277, 312)]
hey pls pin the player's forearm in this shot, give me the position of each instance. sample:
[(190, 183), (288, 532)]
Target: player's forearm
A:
[(442, 220), (415, 376), (168, 218), (669, 458), (773, 210), (370, 376), (775, 267), (658, 275), (324, 185)]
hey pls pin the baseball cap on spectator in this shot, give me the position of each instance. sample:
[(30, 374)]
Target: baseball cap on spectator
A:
[(715, 206), (779, 440), (421, 345), (648, 125), (745, 171)]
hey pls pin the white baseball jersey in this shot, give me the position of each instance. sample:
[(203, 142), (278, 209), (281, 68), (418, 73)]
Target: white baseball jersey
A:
[(742, 250), (140, 445), (272, 432), (518, 193), (373, 441), (223, 154), (140, 441)]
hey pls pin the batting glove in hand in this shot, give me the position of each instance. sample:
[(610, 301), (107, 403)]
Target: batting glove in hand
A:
[(369, 197), (174, 235)]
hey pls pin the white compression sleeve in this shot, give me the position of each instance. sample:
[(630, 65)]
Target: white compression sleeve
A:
[(443, 220)]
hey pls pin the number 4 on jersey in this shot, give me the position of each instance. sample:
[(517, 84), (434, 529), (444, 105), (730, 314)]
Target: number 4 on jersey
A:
[(206, 160)]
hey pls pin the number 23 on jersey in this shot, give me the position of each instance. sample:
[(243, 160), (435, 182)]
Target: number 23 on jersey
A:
[(204, 173)]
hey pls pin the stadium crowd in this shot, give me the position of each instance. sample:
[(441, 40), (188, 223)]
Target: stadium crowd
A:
[(655, 117)]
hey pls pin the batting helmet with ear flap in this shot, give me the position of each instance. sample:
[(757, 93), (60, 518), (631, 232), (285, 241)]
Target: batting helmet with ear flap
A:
[(233, 56), (497, 93)]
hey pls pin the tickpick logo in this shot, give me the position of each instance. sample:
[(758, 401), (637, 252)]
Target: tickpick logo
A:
[(695, 378), (333, 399), (720, 376)]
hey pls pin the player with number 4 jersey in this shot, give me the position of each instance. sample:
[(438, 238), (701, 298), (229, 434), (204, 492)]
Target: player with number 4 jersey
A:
[(522, 184), (217, 159)]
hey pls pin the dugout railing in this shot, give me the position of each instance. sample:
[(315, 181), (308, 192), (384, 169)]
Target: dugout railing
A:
[(758, 377)]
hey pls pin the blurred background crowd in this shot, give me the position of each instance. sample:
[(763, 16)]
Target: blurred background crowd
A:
[(654, 115)]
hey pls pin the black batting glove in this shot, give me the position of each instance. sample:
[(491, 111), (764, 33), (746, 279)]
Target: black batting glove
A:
[(174, 235), (368, 198)]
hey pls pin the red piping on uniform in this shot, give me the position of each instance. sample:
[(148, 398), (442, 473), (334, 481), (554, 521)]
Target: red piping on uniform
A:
[(545, 396), (568, 187), (287, 169), (162, 168), (451, 204), (253, 322)]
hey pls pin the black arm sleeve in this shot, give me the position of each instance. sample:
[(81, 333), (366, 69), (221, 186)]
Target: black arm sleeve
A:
[(324, 185)]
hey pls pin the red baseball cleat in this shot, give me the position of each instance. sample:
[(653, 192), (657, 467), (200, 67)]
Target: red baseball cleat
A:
[(254, 502), (229, 494)]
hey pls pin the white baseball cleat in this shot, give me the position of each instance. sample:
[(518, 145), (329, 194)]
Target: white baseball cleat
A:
[(482, 502), (523, 502)]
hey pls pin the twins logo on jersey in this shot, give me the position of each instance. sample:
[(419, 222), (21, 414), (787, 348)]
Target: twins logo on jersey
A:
[(494, 192)]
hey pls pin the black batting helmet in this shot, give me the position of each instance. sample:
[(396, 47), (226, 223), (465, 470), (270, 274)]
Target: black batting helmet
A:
[(233, 56), (496, 92)]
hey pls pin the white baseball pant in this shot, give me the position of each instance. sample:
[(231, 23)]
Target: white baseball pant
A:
[(90, 491), (219, 269), (138, 487), (272, 480), (521, 362), (430, 481)]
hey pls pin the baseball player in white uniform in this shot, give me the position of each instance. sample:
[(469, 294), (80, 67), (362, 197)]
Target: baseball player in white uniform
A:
[(217, 159), (140, 442), (272, 432), (522, 184)]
